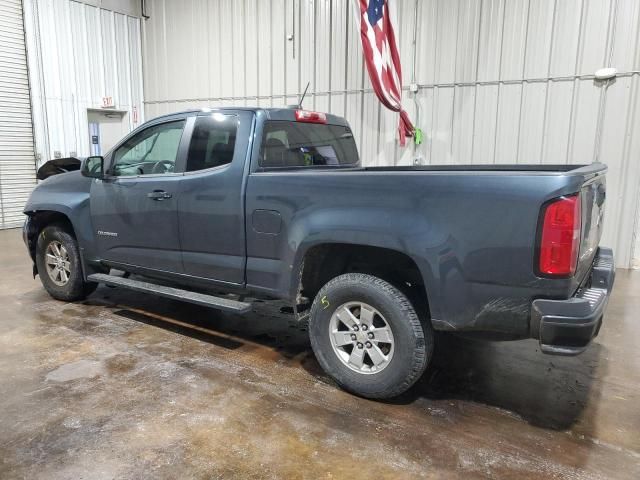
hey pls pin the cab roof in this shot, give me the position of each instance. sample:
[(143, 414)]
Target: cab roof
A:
[(287, 114)]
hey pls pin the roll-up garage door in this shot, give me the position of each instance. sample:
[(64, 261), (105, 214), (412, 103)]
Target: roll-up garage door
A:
[(17, 162)]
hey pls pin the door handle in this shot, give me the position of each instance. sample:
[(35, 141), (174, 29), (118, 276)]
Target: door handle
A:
[(159, 195)]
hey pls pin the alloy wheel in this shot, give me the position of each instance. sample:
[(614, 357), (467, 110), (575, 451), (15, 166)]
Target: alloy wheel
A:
[(58, 263), (361, 337)]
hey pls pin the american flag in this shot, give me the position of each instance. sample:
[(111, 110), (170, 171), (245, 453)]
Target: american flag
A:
[(382, 59)]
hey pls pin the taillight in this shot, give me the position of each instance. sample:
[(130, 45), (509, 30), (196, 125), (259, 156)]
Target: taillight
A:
[(310, 117), (560, 238)]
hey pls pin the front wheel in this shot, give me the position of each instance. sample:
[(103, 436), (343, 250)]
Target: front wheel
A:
[(368, 337), (58, 262)]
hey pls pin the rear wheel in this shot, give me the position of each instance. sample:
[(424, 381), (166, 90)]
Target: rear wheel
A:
[(368, 337), (59, 267)]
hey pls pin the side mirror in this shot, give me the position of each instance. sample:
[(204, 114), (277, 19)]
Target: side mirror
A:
[(93, 167)]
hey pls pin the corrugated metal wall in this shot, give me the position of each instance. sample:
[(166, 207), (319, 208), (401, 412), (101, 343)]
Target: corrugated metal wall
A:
[(78, 54), (501, 81), (17, 172)]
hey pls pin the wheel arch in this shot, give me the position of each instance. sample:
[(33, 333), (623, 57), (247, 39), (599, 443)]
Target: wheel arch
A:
[(319, 263), (38, 220)]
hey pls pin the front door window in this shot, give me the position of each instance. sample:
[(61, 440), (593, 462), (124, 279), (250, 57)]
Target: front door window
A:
[(153, 151)]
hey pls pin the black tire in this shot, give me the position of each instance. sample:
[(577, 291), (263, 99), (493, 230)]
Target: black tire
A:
[(75, 288), (413, 336)]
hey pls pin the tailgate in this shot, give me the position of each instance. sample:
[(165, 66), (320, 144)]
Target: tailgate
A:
[(593, 194)]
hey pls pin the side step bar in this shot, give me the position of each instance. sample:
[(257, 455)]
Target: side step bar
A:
[(220, 303)]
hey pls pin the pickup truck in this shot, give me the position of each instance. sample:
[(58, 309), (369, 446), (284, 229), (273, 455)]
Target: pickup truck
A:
[(218, 207)]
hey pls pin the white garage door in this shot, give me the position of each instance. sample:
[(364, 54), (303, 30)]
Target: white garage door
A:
[(17, 162)]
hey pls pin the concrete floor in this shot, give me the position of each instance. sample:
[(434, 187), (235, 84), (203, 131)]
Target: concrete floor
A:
[(126, 385)]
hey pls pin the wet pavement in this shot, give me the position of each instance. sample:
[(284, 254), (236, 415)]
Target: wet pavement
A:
[(126, 385)]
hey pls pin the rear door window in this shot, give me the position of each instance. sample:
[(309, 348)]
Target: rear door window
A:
[(213, 141), (296, 144)]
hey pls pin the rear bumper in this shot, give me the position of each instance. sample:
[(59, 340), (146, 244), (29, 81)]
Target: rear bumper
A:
[(566, 327)]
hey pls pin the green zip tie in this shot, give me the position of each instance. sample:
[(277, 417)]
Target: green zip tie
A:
[(417, 136)]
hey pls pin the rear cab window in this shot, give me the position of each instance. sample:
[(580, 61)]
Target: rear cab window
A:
[(287, 144)]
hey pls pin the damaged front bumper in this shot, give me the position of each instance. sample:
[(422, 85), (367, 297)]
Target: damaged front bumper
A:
[(566, 327), (29, 238)]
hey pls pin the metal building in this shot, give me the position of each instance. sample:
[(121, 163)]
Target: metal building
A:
[(85, 68), (70, 84), (499, 81), (17, 172)]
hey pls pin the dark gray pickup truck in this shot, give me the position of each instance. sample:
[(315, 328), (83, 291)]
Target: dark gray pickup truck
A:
[(217, 207)]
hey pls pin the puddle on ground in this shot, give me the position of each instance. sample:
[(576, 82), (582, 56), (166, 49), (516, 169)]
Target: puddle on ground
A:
[(76, 370)]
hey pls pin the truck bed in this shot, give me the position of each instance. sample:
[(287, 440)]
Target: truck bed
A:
[(471, 229), (493, 168)]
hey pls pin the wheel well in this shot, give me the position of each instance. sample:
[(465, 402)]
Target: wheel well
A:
[(324, 262), (41, 219)]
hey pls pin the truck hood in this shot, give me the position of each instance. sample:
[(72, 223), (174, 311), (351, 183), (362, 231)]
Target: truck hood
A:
[(57, 166)]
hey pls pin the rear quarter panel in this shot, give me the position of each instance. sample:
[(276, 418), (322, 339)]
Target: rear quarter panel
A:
[(472, 234)]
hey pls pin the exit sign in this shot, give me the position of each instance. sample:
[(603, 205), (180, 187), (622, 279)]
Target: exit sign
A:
[(107, 102)]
